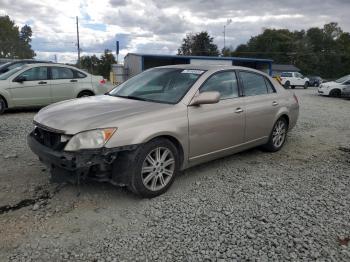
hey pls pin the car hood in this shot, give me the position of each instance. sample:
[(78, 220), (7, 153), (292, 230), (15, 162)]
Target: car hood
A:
[(76, 115), (331, 83)]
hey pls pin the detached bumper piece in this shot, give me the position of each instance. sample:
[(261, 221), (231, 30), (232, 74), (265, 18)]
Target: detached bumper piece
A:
[(96, 164)]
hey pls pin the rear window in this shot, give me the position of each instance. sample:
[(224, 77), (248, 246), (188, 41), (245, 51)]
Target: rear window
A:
[(286, 75)]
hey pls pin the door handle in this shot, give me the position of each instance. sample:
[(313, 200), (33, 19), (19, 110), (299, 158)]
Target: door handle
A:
[(238, 110), (74, 80), (42, 83), (274, 103)]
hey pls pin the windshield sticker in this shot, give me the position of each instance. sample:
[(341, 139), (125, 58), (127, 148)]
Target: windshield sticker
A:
[(196, 72)]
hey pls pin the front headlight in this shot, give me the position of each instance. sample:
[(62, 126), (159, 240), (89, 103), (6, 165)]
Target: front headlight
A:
[(90, 139)]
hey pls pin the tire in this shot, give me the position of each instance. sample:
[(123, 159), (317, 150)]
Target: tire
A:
[(292, 87), (306, 85), (2, 105), (148, 176), (286, 85), (335, 93), (85, 94), (278, 136)]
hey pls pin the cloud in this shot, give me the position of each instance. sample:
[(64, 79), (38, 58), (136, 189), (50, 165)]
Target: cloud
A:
[(158, 26)]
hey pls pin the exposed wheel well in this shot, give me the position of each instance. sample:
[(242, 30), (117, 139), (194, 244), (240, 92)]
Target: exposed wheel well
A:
[(86, 92), (6, 105), (286, 118), (335, 91), (177, 145)]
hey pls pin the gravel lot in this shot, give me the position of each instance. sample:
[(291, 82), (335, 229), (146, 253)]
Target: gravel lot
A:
[(290, 205)]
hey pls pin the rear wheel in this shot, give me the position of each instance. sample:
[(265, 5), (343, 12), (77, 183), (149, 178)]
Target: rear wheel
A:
[(335, 93), (278, 135), (2, 105), (286, 84), (156, 165), (85, 94)]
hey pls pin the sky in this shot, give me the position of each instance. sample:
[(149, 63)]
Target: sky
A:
[(158, 26)]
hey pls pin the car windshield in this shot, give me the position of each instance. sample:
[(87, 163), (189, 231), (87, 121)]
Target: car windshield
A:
[(6, 75), (343, 79), (5, 65), (162, 85)]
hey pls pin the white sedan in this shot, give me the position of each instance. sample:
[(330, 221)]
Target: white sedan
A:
[(43, 84), (335, 88)]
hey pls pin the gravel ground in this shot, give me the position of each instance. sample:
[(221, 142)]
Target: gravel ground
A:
[(289, 205)]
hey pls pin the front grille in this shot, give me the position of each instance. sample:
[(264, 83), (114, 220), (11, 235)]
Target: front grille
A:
[(49, 139)]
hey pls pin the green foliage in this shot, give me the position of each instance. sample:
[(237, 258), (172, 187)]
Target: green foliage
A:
[(15, 43), (98, 66), (200, 44), (317, 51)]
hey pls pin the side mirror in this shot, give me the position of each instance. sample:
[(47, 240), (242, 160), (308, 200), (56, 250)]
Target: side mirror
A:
[(211, 97), (20, 79)]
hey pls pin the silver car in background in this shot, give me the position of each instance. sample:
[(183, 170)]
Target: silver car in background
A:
[(35, 85), (166, 119)]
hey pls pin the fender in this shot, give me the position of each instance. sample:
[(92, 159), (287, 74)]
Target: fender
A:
[(5, 94)]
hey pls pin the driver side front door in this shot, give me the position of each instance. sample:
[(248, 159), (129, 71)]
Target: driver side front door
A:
[(217, 129), (34, 90)]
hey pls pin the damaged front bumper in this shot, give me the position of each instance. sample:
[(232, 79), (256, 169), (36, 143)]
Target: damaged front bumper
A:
[(98, 164)]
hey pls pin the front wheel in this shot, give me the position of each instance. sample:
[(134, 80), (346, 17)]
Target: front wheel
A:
[(156, 165), (306, 85), (277, 136), (2, 105), (335, 93)]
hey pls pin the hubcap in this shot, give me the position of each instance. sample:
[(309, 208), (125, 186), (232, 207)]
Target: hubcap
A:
[(279, 133), (158, 168)]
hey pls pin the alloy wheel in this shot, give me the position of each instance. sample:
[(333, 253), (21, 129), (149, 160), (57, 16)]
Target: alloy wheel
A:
[(158, 168), (279, 133)]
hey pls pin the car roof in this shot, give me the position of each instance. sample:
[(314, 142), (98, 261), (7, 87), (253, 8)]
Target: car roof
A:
[(210, 67)]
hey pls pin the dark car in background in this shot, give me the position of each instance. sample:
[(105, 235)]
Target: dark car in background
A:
[(11, 65), (315, 80)]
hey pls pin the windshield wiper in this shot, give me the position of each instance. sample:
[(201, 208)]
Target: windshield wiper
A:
[(134, 98)]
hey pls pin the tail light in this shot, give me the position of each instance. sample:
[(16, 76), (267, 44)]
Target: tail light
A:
[(102, 81), (296, 99)]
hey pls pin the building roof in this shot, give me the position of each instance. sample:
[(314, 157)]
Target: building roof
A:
[(284, 68), (205, 57)]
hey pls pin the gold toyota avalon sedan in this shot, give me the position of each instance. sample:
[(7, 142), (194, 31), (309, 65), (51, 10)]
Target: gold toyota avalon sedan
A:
[(166, 119)]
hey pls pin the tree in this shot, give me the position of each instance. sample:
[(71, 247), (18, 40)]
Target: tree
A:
[(107, 59), (15, 43), (320, 51), (100, 66), (200, 44)]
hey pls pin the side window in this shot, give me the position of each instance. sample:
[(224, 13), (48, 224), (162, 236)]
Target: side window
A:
[(34, 74), (270, 87), (78, 74), (225, 83), (254, 84), (61, 73)]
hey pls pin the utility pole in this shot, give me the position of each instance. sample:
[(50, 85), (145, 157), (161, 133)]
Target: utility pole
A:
[(229, 21), (78, 44)]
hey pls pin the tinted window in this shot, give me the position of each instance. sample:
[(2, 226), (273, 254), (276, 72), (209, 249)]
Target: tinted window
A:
[(225, 83), (78, 74), (254, 84), (61, 73), (36, 73), (286, 74), (270, 88)]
